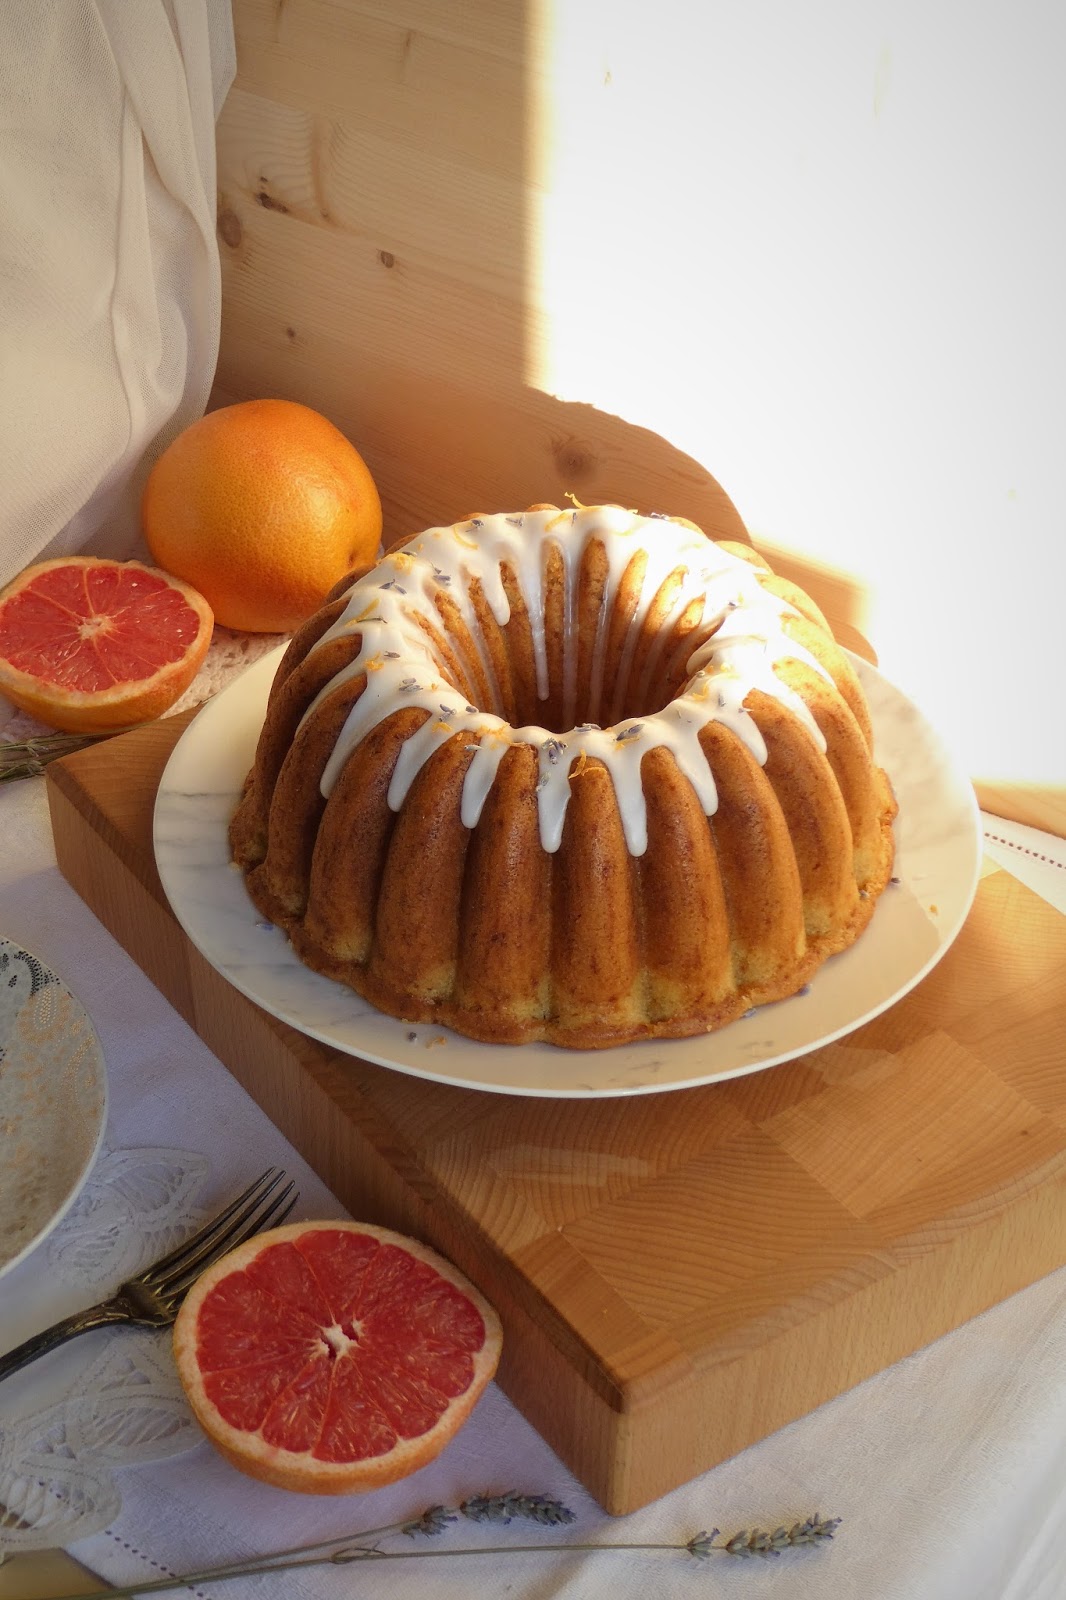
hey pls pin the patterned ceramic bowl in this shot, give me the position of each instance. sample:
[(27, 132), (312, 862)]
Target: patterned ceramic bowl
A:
[(53, 1100)]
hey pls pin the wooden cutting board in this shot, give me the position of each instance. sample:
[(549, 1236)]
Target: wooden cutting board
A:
[(679, 1274)]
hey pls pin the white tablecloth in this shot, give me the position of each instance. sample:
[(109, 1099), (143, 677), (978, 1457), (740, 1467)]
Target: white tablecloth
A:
[(948, 1470)]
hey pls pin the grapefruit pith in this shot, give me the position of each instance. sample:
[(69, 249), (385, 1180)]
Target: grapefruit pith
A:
[(90, 645), (333, 1357)]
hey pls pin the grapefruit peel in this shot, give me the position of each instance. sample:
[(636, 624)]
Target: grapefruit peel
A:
[(262, 505)]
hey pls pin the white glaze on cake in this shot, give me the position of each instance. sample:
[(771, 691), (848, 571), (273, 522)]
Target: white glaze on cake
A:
[(397, 657)]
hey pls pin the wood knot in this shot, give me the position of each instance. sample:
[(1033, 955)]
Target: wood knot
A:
[(266, 199), (386, 258), (229, 227), (573, 459)]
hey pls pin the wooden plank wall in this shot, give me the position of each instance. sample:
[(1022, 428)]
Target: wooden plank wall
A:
[(373, 219), (384, 175)]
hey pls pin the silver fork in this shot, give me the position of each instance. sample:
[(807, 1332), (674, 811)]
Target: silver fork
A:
[(151, 1299)]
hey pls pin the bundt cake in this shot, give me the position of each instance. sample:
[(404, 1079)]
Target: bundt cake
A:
[(580, 776)]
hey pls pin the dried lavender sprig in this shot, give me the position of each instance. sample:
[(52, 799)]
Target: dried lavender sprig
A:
[(503, 1507), (483, 1508), (27, 758), (339, 1551), (757, 1542), (431, 1522)]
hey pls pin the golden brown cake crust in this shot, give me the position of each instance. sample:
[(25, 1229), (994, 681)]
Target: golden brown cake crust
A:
[(579, 777)]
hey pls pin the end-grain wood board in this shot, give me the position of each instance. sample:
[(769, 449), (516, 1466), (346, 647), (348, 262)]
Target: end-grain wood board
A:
[(679, 1274)]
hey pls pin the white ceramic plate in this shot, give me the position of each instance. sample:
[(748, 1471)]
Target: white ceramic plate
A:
[(53, 1100), (937, 864)]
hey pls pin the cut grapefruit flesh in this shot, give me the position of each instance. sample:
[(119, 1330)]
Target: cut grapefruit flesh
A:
[(90, 645), (333, 1357)]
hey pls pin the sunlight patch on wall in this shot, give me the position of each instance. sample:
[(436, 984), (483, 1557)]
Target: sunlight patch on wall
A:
[(816, 249)]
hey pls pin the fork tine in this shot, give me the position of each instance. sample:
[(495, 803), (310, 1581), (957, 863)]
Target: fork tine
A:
[(244, 1226), (217, 1227), (153, 1297)]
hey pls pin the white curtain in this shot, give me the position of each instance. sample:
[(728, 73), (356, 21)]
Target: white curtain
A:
[(110, 296)]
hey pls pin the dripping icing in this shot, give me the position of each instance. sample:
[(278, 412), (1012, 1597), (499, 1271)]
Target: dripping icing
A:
[(400, 671)]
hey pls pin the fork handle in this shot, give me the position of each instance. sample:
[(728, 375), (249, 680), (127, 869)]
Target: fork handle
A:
[(101, 1316)]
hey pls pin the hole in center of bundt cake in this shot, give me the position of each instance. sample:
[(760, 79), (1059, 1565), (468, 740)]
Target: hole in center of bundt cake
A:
[(597, 648), (623, 683)]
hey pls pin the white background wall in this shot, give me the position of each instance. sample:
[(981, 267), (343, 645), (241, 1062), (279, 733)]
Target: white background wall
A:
[(821, 247)]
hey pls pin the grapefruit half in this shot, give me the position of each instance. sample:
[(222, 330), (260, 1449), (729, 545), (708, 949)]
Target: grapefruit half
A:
[(333, 1357), (91, 646)]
